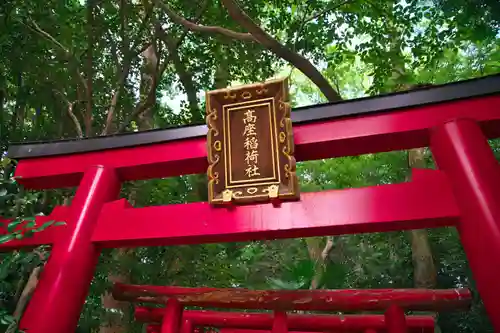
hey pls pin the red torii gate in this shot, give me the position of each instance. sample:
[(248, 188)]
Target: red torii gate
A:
[(232, 322), (295, 322), (455, 120), (393, 321), (392, 301)]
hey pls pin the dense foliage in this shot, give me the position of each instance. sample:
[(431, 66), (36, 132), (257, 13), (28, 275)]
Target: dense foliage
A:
[(72, 69)]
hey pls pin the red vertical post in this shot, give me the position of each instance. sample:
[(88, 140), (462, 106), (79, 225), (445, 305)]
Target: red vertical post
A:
[(173, 317), (280, 324), (463, 153), (152, 329), (370, 330), (187, 326), (395, 320), (58, 299)]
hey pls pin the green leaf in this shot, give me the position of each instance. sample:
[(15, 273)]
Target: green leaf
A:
[(280, 284), (6, 238), (44, 226), (13, 225), (5, 161), (6, 319)]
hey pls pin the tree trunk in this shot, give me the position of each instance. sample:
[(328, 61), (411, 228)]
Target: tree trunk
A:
[(221, 79), (17, 120), (145, 119), (89, 67), (116, 317), (186, 79), (3, 128), (424, 269), (318, 253), (117, 311), (28, 290)]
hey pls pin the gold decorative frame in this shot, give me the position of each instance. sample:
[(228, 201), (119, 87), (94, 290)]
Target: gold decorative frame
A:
[(284, 185)]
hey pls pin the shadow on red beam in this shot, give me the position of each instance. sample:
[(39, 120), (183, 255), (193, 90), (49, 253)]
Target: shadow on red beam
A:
[(157, 329), (239, 330), (332, 138), (310, 300), (45, 237), (295, 322), (426, 202)]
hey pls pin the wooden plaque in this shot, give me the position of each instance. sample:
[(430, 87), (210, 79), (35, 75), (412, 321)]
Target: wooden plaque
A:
[(250, 144)]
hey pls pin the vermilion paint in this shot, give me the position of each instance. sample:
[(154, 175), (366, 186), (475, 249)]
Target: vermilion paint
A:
[(280, 324), (395, 320), (400, 129), (425, 202), (305, 299), (187, 326), (57, 301), (172, 320), (464, 193), (462, 152), (295, 322)]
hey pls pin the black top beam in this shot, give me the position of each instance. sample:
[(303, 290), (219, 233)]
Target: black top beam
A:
[(357, 107)]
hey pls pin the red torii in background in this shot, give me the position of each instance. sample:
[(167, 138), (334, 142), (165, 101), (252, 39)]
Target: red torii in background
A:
[(455, 120)]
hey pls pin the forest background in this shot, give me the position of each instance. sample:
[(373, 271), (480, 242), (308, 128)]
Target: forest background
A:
[(75, 69)]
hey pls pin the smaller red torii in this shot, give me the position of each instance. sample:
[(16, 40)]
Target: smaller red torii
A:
[(392, 301), (393, 321), (258, 322)]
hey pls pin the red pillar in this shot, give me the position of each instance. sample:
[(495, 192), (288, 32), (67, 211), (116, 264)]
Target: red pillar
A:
[(152, 329), (462, 151), (187, 326), (173, 317), (57, 301), (279, 322), (395, 320), (370, 330)]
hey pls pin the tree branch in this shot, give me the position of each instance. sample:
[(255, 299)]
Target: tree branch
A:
[(176, 18), (36, 28), (325, 11), (28, 290), (150, 98), (89, 67), (185, 76), (302, 64), (128, 52), (144, 23), (70, 106), (319, 257), (328, 248), (49, 37), (172, 46), (123, 24), (314, 16), (142, 107)]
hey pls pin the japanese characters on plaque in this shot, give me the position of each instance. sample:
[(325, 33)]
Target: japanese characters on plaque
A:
[(250, 144)]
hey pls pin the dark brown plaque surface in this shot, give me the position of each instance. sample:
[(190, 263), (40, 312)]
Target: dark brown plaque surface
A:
[(250, 144)]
